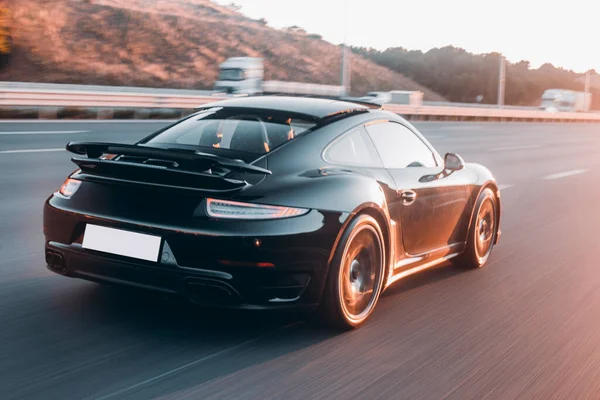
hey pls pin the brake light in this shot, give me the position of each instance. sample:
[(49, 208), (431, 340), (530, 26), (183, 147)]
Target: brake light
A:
[(69, 187), (237, 210)]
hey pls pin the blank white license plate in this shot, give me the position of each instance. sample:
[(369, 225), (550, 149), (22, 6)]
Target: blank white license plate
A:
[(123, 243)]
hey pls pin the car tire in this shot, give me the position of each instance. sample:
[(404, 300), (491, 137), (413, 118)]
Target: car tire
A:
[(482, 233), (356, 276)]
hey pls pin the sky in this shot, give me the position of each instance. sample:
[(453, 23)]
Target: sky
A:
[(564, 33)]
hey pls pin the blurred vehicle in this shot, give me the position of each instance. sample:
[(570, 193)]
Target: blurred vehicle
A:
[(561, 100), (376, 97), (408, 97), (240, 75), (244, 75), (272, 203)]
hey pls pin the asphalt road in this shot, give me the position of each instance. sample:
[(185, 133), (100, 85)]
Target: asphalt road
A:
[(524, 327)]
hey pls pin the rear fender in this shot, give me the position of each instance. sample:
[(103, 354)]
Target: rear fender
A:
[(328, 189)]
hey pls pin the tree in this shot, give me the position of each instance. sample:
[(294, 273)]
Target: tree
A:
[(234, 7), (295, 29)]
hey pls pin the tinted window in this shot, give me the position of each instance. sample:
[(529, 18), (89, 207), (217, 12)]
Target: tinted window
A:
[(231, 75), (399, 147), (354, 148), (221, 128)]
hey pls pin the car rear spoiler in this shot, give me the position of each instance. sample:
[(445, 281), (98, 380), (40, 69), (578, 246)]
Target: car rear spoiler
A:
[(189, 159), (175, 168)]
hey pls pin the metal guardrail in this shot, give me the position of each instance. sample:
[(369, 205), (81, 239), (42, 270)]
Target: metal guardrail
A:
[(5, 85), (431, 112), (79, 96), (71, 98), (476, 105)]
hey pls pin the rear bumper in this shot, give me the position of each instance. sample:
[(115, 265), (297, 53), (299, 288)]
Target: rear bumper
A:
[(192, 262), (205, 287)]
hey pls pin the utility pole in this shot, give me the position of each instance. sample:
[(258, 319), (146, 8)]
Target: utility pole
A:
[(348, 69), (345, 73), (501, 81), (586, 106)]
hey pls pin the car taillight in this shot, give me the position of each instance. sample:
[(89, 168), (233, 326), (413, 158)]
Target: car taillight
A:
[(69, 187), (237, 210)]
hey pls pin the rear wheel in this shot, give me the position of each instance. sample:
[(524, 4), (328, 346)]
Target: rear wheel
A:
[(482, 234), (356, 276)]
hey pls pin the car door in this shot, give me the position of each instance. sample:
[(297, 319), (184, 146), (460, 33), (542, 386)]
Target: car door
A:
[(430, 206), (355, 150)]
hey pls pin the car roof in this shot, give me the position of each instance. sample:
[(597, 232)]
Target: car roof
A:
[(316, 108)]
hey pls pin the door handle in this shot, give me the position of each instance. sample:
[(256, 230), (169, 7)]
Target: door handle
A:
[(408, 197)]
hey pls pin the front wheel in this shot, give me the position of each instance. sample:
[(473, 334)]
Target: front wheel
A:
[(482, 234), (356, 276)]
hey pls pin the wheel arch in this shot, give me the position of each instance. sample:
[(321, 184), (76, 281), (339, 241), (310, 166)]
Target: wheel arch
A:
[(381, 216)]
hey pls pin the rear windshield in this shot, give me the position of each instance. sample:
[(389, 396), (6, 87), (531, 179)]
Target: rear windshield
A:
[(248, 132)]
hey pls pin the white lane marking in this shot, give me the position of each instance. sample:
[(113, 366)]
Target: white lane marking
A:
[(41, 132), (566, 173), (505, 186), (535, 146), (30, 151), (195, 362)]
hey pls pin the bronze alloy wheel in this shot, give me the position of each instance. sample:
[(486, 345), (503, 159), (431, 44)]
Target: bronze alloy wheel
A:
[(361, 274), (483, 231), (356, 276)]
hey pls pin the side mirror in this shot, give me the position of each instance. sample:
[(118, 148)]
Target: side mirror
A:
[(453, 162)]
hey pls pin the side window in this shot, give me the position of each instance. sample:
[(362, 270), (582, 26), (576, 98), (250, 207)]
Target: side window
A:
[(399, 147), (354, 148)]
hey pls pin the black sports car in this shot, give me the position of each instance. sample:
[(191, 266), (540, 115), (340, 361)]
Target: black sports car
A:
[(272, 202)]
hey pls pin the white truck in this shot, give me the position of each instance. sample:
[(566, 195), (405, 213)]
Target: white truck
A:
[(377, 97), (407, 97), (562, 100), (244, 76), (240, 75)]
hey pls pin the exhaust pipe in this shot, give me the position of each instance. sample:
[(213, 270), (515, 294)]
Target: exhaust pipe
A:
[(205, 291), (55, 261)]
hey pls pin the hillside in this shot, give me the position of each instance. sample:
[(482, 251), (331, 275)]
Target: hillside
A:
[(174, 43)]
